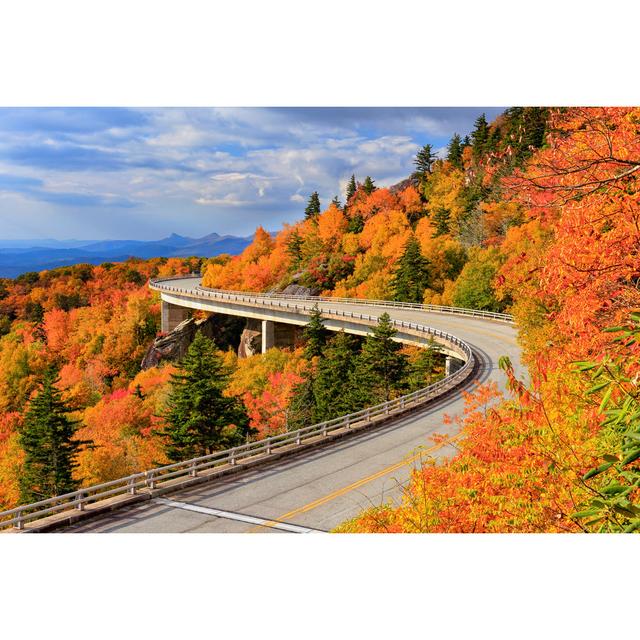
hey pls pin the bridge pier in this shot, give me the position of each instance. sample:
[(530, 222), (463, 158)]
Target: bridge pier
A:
[(171, 316), (451, 365), (268, 335)]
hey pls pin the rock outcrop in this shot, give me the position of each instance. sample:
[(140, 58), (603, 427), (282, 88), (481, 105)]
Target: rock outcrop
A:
[(250, 339), (174, 345)]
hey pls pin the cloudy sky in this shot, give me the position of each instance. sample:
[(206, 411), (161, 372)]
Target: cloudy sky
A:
[(94, 173)]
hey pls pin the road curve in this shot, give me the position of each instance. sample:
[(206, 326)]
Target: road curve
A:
[(318, 489)]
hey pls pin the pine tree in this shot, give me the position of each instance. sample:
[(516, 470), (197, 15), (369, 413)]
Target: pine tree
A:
[(351, 188), (380, 368), (313, 207), (302, 408), (424, 159), (441, 221), (454, 152), (480, 136), (368, 186), (48, 443), (355, 224), (315, 334), (200, 419), (421, 370), (294, 248), (411, 275), (336, 202), (332, 382)]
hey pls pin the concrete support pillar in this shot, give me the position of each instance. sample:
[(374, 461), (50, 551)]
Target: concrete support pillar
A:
[(171, 316), (451, 365), (268, 335)]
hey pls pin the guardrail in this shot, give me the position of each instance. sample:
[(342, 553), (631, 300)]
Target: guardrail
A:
[(155, 479), (501, 317)]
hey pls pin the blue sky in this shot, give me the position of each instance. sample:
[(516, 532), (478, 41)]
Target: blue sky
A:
[(97, 173)]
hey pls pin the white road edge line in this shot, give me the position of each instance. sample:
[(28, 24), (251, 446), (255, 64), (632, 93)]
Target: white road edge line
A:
[(240, 517)]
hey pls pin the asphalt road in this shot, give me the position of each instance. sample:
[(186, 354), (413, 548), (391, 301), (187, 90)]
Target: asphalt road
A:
[(317, 490)]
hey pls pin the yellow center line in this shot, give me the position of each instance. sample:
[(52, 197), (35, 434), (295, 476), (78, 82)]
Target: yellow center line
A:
[(355, 485)]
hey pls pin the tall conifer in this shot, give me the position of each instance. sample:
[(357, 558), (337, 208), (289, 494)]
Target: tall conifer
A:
[(368, 185), (315, 334), (454, 151), (313, 207), (424, 159), (351, 188), (47, 438), (380, 369), (200, 419), (411, 275)]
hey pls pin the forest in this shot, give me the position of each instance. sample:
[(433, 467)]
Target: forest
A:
[(535, 214)]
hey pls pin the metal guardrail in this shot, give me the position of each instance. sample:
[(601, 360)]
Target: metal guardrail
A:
[(491, 315), (153, 479)]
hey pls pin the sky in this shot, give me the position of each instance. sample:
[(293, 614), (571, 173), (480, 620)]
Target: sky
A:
[(125, 173)]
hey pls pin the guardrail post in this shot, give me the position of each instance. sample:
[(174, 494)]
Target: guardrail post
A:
[(324, 429), (367, 415), (131, 485), (298, 438), (347, 422), (232, 457), (268, 443), (151, 482), (80, 502), (19, 523), (402, 402), (192, 470)]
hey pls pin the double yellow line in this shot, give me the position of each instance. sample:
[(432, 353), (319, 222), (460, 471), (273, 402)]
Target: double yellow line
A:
[(355, 485)]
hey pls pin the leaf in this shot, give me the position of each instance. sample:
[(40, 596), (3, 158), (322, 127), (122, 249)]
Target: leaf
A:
[(597, 471), (598, 387), (605, 399)]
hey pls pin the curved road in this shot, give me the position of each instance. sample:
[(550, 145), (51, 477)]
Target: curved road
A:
[(319, 489)]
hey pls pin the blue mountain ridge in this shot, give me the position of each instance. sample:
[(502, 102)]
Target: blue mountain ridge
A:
[(16, 257)]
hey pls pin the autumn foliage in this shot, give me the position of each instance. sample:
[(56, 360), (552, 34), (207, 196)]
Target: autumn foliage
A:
[(537, 214)]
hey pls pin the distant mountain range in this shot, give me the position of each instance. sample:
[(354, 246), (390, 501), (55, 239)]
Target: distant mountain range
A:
[(20, 256)]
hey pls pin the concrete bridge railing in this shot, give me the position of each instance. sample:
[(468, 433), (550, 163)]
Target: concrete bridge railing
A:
[(232, 295), (95, 499)]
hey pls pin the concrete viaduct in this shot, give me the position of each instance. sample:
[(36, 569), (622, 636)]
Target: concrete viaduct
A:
[(305, 481)]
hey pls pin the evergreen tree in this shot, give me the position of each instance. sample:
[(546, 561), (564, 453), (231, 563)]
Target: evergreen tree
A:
[(351, 188), (368, 186), (47, 440), (454, 151), (441, 221), (355, 224), (494, 140), (480, 136), (302, 408), (421, 370), (200, 419), (313, 207), (411, 276), (424, 159), (333, 380), (315, 334), (380, 368), (294, 248), (336, 202)]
